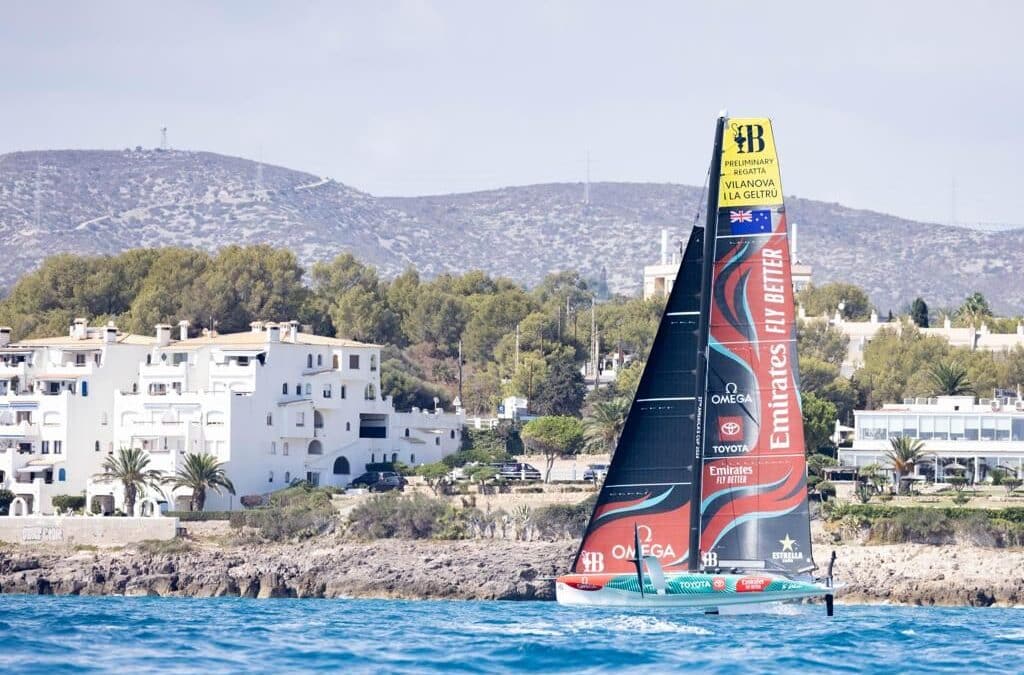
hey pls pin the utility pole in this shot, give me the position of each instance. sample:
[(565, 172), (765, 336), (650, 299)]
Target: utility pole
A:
[(460, 369), (516, 368), (593, 340)]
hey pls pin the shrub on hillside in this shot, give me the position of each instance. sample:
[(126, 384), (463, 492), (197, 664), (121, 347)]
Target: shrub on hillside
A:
[(563, 521), (6, 497), (68, 503), (298, 511), (199, 516), (392, 515)]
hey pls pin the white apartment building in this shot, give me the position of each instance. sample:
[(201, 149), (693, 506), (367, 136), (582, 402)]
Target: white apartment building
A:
[(56, 398), (957, 433), (275, 405), (860, 333), (660, 277)]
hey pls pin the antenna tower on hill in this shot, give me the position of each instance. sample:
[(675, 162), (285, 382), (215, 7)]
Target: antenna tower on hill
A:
[(163, 138)]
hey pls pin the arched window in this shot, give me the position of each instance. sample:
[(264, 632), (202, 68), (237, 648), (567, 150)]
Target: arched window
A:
[(309, 360), (287, 477), (341, 467), (315, 448), (407, 432), (284, 388), (62, 475), (394, 457), (319, 360), (318, 420)]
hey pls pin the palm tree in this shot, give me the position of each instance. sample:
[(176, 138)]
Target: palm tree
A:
[(201, 472), (129, 467), (974, 310), (903, 455), (949, 378), (602, 426)]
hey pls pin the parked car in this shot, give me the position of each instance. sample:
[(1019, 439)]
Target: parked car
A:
[(595, 472), (518, 471), (387, 480)]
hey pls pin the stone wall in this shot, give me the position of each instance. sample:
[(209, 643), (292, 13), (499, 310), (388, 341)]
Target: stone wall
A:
[(85, 530)]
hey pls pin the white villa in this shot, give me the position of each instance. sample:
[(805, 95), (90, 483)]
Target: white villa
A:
[(274, 404), (56, 407), (958, 434)]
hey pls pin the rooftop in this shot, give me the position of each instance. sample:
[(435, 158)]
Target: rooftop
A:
[(253, 339)]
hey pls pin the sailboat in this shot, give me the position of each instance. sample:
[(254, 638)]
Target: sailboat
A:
[(705, 500)]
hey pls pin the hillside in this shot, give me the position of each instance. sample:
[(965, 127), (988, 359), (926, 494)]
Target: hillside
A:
[(107, 201)]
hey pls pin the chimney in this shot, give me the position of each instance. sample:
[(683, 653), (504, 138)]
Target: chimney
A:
[(183, 329), (946, 323), (256, 326), (293, 334), (78, 328), (273, 332), (5, 335), (794, 258), (664, 245), (163, 335), (110, 333)]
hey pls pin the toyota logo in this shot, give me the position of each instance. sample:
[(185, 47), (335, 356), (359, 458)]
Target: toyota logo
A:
[(730, 428)]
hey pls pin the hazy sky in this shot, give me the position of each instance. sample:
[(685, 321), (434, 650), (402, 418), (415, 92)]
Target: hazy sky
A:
[(880, 105)]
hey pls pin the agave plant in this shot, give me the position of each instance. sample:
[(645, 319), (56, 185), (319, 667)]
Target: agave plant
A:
[(200, 473), (130, 467)]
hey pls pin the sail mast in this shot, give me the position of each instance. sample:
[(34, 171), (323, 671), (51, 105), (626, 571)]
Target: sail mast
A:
[(710, 232)]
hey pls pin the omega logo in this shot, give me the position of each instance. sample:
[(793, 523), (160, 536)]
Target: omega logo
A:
[(731, 395)]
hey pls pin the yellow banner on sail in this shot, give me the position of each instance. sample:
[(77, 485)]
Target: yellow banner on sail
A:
[(750, 167)]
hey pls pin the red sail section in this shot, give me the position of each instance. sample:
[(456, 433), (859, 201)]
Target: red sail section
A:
[(753, 487)]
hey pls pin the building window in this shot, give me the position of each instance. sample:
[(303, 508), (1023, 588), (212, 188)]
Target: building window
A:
[(394, 457), (334, 362), (353, 361), (373, 363), (285, 449), (62, 475), (407, 432), (341, 394), (309, 361), (348, 426), (315, 448), (327, 391), (287, 477), (270, 478), (309, 389), (373, 458), (58, 447), (300, 419), (298, 389), (452, 434), (437, 440), (243, 360), (284, 388), (270, 419), (412, 458), (370, 393), (319, 360), (341, 467), (97, 448), (44, 447), (103, 419), (85, 388), (273, 447)]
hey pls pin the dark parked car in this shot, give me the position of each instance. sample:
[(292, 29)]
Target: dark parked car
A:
[(595, 472), (379, 481), (518, 471)]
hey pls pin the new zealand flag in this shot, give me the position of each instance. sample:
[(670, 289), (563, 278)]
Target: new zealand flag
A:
[(751, 221)]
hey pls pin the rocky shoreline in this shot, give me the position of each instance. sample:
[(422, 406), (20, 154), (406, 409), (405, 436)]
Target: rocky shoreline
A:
[(912, 574)]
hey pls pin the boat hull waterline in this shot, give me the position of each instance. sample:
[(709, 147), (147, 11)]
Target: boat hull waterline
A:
[(686, 589)]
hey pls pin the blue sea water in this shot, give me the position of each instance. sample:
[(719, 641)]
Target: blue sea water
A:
[(170, 635)]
